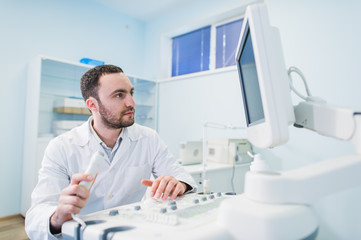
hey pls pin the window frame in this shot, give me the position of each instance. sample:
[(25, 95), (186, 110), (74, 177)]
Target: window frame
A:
[(215, 37), (204, 32), (166, 43)]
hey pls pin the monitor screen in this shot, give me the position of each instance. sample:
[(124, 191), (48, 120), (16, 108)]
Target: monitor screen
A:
[(249, 82), (263, 79)]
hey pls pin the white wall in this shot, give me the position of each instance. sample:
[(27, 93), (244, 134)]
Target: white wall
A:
[(190, 17), (62, 29), (320, 37), (185, 104)]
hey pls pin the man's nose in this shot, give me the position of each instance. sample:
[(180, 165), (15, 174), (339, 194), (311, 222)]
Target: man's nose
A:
[(129, 101)]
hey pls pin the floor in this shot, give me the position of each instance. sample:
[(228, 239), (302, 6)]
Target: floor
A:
[(12, 227)]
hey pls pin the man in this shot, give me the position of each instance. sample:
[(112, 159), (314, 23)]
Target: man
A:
[(133, 153)]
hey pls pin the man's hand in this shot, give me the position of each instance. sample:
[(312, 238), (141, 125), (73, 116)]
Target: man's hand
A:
[(72, 199), (165, 185)]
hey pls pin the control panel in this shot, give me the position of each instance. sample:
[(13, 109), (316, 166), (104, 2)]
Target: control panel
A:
[(190, 216)]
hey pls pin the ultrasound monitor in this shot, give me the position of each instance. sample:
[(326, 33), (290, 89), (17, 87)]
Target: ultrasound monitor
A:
[(264, 81)]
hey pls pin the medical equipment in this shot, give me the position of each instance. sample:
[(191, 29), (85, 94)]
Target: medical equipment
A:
[(190, 216), (277, 205), (229, 151), (220, 150), (97, 161), (191, 152), (205, 181), (264, 82)]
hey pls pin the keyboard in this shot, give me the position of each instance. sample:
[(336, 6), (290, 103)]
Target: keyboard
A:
[(151, 216)]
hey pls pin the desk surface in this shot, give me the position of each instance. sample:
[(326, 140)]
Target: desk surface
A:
[(212, 166)]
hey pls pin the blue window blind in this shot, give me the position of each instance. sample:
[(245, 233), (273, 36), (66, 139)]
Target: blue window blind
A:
[(227, 36), (190, 52)]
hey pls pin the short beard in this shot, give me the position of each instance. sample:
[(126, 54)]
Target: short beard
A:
[(112, 121)]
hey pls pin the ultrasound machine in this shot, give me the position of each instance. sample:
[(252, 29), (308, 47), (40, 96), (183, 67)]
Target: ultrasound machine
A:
[(275, 204)]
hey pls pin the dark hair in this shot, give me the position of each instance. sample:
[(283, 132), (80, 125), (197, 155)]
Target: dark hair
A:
[(89, 82)]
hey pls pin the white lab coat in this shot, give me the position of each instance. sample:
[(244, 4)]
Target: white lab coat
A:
[(141, 154)]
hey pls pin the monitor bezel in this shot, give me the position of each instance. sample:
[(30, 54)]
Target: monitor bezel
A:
[(272, 79)]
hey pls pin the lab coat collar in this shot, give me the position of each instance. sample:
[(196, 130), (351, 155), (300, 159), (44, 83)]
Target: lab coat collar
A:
[(82, 134)]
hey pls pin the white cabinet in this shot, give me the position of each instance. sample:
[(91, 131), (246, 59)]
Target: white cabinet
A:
[(51, 81), (145, 97)]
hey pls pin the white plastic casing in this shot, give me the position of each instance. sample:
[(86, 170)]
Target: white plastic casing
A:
[(272, 78), (304, 185), (96, 163), (259, 164), (327, 120), (247, 219)]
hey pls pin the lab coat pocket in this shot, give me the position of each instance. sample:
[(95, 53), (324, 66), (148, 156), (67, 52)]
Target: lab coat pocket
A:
[(138, 172), (133, 177)]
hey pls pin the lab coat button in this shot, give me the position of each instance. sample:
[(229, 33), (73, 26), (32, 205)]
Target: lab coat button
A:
[(110, 196)]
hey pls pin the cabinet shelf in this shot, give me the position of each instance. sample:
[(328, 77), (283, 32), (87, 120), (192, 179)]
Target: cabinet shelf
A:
[(71, 110), (57, 95)]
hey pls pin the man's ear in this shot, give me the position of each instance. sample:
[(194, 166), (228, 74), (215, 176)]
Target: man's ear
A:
[(92, 104)]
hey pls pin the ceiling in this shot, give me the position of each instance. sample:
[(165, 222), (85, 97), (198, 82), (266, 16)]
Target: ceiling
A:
[(144, 10)]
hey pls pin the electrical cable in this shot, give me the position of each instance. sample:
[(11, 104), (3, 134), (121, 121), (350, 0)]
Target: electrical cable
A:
[(298, 71), (78, 220), (233, 175)]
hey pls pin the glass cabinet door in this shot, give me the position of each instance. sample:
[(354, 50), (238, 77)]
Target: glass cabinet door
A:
[(145, 101), (61, 105)]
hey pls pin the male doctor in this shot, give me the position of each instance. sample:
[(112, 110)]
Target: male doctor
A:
[(133, 153)]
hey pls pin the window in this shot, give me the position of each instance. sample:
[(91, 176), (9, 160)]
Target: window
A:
[(191, 52), (227, 36)]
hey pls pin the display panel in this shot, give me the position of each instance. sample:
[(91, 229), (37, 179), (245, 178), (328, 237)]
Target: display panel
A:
[(249, 82), (263, 80)]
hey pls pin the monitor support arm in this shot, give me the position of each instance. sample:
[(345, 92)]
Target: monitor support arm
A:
[(308, 184), (331, 121), (277, 205)]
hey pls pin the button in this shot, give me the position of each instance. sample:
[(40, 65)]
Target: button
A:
[(111, 170), (204, 199), (171, 203), (211, 196), (110, 196), (173, 207), (219, 194), (163, 210), (137, 207), (195, 201), (113, 212), (230, 193)]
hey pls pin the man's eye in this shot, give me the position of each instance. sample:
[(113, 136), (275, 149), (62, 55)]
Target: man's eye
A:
[(119, 95)]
